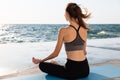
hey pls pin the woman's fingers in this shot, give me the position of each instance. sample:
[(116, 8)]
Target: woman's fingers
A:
[(36, 61)]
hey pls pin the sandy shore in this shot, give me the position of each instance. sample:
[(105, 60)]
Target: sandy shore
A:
[(35, 70)]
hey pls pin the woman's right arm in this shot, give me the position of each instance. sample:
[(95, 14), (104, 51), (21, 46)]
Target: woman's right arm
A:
[(84, 37)]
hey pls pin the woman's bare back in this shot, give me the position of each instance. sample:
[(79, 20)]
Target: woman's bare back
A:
[(69, 36)]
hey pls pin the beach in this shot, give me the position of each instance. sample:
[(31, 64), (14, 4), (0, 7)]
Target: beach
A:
[(100, 54), (36, 70), (20, 42)]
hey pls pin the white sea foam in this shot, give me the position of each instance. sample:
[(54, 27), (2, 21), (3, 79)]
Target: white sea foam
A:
[(102, 32), (17, 56)]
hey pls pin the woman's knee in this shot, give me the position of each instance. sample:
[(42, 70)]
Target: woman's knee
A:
[(42, 66)]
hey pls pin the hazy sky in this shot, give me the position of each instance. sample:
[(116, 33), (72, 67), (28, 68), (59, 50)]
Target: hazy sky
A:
[(52, 11)]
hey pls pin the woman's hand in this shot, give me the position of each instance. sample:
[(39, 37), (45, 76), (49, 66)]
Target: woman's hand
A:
[(36, 61)]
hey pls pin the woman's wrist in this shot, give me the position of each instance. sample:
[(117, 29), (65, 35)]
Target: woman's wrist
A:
[(42, 60)]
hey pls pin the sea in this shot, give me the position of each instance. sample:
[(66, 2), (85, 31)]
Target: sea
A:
[(22, 33), (20, 42)]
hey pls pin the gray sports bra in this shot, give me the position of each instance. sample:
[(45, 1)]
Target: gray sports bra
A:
[(76, 44)]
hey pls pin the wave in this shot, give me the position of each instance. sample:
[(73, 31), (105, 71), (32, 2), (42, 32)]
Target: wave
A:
[(22, 33), (102, 32), (109, 48)]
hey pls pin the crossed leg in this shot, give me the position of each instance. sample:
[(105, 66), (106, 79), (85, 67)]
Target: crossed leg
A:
[(53, 69)]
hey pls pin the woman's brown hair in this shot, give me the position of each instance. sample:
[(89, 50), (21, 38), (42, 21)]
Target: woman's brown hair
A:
[(76, 12)]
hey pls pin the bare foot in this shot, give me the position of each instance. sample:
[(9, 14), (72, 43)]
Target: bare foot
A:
[(53, 62)]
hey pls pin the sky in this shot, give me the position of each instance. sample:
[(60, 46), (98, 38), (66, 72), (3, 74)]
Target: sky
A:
[(52, 11)]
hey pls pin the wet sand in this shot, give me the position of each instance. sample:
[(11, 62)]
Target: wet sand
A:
[(35, 70)]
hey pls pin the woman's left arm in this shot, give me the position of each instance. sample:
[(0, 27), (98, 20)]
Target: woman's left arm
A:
[(58, 46)]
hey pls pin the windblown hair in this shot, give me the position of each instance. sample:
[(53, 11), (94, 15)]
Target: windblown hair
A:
[(76, 12)]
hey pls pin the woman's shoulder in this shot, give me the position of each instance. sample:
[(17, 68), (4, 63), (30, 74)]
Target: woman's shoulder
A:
[(83, 33), (64, 28), (82, 29)]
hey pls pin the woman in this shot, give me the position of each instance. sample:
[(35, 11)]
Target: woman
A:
[(74, 37)]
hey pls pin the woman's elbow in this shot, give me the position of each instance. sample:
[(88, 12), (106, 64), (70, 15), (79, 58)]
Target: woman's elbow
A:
[(55, 55)]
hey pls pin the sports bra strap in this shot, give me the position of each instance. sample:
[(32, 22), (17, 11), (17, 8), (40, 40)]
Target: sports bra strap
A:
[(75, 28), (78, 28)]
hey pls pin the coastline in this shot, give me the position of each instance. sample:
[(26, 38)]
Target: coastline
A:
[(29, 71), (100, 54), (35, 70)]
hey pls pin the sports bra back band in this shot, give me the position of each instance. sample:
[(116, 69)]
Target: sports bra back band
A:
[(76, 44)]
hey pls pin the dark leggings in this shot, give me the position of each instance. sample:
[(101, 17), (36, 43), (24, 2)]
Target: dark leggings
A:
[(72, 69)]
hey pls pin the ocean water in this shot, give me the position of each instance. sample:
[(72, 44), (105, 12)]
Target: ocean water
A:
[(20, 42), (20, 33)]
